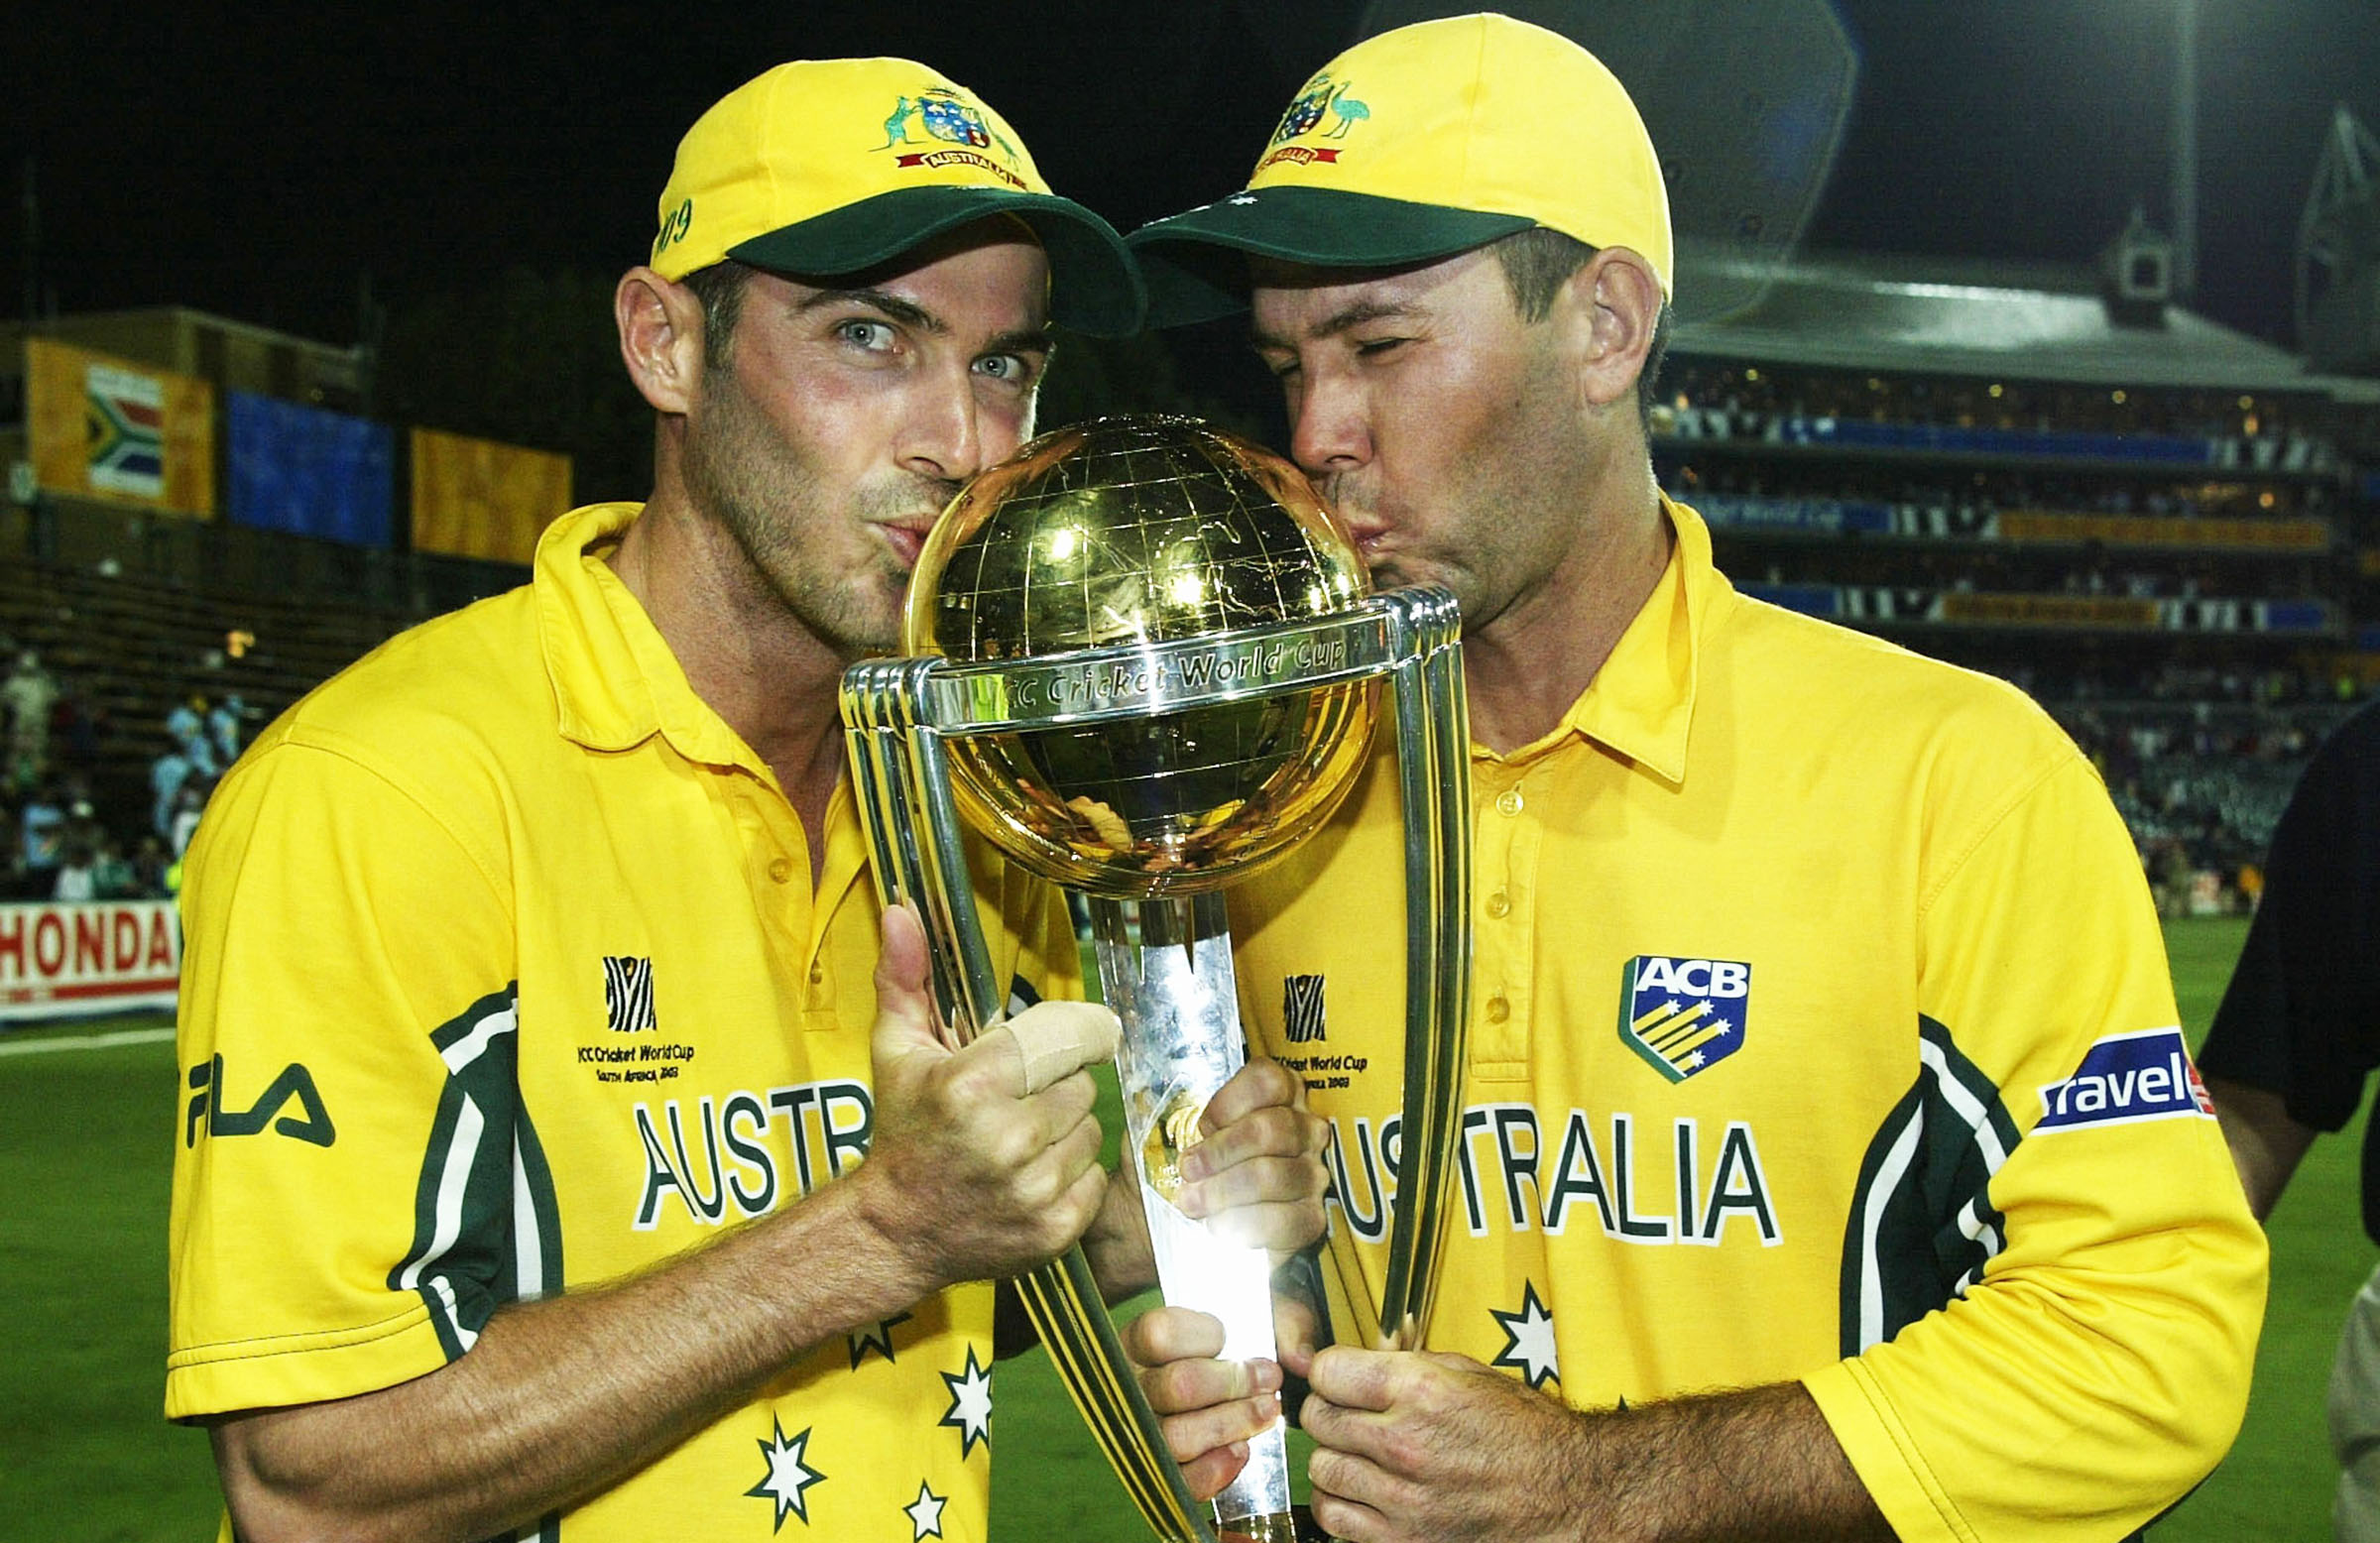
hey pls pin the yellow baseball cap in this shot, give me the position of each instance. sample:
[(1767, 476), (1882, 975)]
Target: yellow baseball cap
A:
[(826, 166), (1418, 144)]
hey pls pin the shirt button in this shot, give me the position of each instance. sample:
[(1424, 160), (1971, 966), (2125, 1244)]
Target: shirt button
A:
[(1499, 1010), (818, 972), (1508, 801), (781, 868), (1499, 904)]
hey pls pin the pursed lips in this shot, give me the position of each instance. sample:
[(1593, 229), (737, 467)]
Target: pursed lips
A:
[(1368, 529), (906, 536), (1369, 532)]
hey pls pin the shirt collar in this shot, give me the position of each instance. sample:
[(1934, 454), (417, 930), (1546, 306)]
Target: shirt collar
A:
[(615, 681), (1642, 702)]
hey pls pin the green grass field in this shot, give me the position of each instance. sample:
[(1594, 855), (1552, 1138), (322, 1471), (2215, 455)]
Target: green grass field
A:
[(85, 1454)]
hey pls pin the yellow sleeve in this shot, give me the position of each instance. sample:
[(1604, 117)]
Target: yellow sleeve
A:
[(339, 940), (2053, 1285)]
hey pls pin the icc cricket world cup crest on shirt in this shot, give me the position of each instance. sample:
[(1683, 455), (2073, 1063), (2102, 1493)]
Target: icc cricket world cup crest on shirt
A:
[(1683, 1016)]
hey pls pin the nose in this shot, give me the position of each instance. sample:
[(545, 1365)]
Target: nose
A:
[(1330, 432), (946, 438)]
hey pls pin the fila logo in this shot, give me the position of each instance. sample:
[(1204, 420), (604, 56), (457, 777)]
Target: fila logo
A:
[(627, 993), (1683, 1016), (2126, 1078), (1302, 1009), (310, 1124)]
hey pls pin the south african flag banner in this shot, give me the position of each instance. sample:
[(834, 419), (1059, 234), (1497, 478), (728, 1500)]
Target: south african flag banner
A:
[(118, 430), (124, 430)]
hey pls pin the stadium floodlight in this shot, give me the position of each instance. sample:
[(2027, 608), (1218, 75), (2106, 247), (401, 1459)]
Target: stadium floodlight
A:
[(2339, 249), (2184, 151)]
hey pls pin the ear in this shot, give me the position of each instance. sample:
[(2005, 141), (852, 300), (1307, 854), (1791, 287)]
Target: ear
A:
[(660, 338), (1621, 296)]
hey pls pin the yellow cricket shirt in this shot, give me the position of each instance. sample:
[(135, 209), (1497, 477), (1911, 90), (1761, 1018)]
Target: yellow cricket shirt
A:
[(1821, 1030), (505, 977)]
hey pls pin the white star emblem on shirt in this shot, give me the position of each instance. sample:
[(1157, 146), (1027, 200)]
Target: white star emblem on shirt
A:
[(924, 1513), (1529, 1340), (970, 1404), (789, 1477), (877, 1339)]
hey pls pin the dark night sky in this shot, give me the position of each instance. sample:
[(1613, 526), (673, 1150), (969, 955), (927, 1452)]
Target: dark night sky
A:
[(255, 162)]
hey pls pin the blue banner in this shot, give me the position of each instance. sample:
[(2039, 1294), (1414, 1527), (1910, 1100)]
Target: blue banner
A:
[(1808, 599), (311, 472), (2293, 616), (1828, 516), (2169, 449)]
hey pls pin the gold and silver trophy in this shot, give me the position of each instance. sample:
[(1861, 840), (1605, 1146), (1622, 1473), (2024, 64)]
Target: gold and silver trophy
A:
[(1146, 660)]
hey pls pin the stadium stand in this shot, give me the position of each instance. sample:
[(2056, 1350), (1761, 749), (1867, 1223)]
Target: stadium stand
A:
[(146, 620), (2169, 532), (2159, 528), (197, 511)]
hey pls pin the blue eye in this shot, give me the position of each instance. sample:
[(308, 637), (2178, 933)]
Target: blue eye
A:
[(874, 336)]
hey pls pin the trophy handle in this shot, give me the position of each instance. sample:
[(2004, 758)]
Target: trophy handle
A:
[(1434, 770), (901, 784), (903, 790), (1067, 1311)]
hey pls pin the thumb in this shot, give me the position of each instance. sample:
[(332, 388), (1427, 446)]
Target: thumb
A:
[(905, 1008)]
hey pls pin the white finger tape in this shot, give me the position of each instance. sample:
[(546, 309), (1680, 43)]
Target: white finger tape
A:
[(1057, 1038)]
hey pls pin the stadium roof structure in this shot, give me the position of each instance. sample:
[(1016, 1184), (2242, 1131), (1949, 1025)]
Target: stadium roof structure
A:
[(1925, 315)]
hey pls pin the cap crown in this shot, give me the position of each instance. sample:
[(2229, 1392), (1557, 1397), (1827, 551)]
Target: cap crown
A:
[(817, 136), (1483, 113)]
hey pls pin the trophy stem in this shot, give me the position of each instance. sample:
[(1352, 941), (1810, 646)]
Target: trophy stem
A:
[(1174, 991), (1259, 1529)]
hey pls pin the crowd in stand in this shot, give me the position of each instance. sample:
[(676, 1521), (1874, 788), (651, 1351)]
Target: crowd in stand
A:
[(1711, 400), (2095, 574), (2200, 799), (2201, 760), (65, 849), (1958, 502)]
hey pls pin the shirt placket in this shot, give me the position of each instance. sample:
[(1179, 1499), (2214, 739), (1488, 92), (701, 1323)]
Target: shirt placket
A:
[(778, 866), (1506, 843)]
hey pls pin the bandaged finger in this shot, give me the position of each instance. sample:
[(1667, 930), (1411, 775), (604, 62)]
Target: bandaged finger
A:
[(1056, 1039)]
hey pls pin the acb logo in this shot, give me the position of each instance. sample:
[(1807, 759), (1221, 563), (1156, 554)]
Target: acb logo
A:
[(1682, 1015)]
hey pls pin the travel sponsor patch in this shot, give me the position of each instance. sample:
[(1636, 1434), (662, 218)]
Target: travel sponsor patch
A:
[(1683, 1016), (2124, 1079)]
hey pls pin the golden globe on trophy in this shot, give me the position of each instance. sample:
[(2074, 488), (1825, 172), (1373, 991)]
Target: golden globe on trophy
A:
[(1144, 661)]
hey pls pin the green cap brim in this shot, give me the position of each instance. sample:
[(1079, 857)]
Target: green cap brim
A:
[(1094, 283), (1192, 274)]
